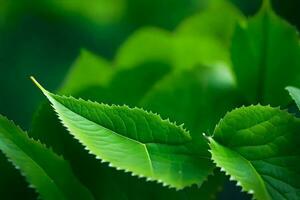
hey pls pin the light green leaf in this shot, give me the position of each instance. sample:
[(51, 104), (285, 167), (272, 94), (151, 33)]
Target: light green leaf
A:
[(101, 180), (217, 21), (88, 70), (134, 140), (106, 182), (48, 173), (258, 147), (295, 94), (145, 45), (179, 51), (190, 51), (266, 57)]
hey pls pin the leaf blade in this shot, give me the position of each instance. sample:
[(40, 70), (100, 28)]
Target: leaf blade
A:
[(265, 140), (161, 138), (47, 172)]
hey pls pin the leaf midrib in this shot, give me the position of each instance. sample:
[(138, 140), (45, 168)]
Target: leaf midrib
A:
[(254, 170)]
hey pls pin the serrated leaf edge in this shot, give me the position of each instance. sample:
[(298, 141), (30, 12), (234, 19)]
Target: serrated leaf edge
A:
[(181, 127)]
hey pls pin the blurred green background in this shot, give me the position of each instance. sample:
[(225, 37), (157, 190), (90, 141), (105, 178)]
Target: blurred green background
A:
[(44, 37)]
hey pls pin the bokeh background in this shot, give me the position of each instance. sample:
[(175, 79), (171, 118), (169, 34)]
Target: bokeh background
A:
[(44, 37)]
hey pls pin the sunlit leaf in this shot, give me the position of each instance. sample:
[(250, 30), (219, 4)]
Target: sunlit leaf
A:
[(149, 146)]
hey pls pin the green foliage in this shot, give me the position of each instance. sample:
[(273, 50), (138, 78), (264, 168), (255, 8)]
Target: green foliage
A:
[(260, 50), (152, 111), (221, 24), (258, 147), (48, 173), (135, 132), (177, 50), (203, 95)]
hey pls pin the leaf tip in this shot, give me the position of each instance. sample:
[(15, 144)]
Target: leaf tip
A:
[(38, 85)]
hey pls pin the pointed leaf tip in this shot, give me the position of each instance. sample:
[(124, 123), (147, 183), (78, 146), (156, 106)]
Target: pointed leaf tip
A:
[(38, 85)]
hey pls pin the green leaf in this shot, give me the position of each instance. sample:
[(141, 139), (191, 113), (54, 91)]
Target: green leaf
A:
[(106, 182), (260, 51), (197, 97), (145, 45), (178, 51), (100, 180), (136, 81), (295, 94), (134, 140), (48, 173), (258, 147), (88, 70), (190, 51), (212, 23)]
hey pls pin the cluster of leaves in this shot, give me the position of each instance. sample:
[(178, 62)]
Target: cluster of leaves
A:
[(212, 63)]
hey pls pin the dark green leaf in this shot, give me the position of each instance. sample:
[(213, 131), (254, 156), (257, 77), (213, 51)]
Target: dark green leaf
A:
[(266, 57)]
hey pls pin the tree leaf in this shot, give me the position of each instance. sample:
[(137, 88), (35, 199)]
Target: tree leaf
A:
[(295, 94), (260, 50), (258, 147), (100, 179), (149, 146), (48, 173), (106, 182), (88, 70)]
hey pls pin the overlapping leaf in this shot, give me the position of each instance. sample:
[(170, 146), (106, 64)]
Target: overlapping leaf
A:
[(100, 179), (48, 173), (266, 57), (258, 147)]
